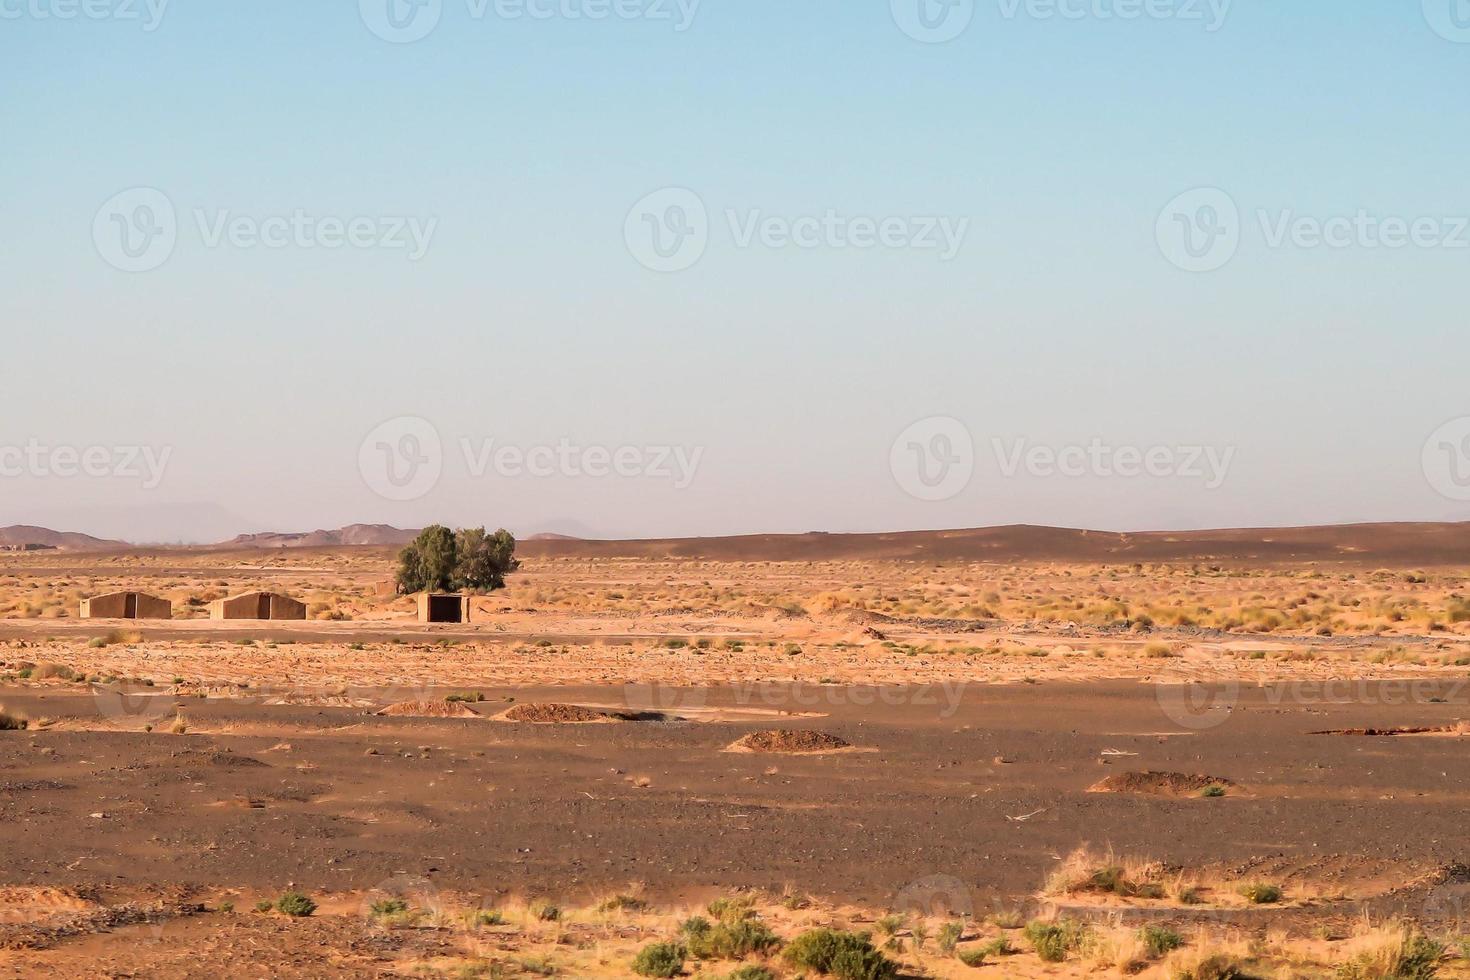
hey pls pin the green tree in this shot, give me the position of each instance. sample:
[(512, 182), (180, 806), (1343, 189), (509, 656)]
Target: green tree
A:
[(429, 563), (441, 561), (484, 559)]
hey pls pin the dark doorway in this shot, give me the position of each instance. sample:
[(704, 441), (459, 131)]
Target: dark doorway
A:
[(446, 609)]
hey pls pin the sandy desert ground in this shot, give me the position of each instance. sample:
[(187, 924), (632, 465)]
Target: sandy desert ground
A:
[(1175, 761)]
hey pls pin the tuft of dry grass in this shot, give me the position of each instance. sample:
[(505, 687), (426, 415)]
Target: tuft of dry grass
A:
[(1084, 871), (1392, 951), (1116, 948), (1208, 958)]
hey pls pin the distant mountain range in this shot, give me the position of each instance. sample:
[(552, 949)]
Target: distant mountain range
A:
[(353, 535), (23, 537), (1429, 543), (372, 535), (1436, 543)]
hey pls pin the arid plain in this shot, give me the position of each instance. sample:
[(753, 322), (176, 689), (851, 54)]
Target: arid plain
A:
[(1019, 752)]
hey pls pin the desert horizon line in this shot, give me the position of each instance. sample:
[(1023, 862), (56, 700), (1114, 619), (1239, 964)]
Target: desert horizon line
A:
[(246, 537)]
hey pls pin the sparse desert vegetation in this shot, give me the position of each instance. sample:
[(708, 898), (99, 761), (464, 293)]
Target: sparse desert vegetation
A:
[(673, 724)]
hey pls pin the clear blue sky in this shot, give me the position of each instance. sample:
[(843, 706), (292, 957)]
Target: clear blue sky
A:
[(529, 320)]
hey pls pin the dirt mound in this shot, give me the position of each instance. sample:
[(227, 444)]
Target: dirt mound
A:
[(222, 759), (789, 740), (1159, 783), (319, 701), (554, 713), (576, 714), (1458, 728), (862, 617), (41, 900), (781, 614), (429, 709)]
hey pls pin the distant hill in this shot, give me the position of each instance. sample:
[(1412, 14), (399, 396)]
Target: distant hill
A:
[(1389, 544), (1398, 543), (353, 535), (20, 537)]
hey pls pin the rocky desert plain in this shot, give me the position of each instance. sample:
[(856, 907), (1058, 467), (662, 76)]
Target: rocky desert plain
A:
[(1017, 752)]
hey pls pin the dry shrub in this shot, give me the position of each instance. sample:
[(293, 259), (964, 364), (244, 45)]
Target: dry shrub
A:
[(1394, 951), (1084, 871), (1116, 948), (1209, 959)]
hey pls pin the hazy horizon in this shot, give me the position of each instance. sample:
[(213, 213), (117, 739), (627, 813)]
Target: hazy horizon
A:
[(696, 269), (573, 530)]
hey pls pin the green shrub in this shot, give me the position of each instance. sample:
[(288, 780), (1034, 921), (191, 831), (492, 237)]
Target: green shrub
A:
[(890, 924), (387, 907), (537, 966), (622, 903), (727, 940), (999, 946), (1008, 919), (1214, 968), (1052, 941), (1048, 941), (949, 937), (845, 955), (1412, 957), (296, 905), (972, 957), (1159, 940), (751, 972), (659, 960), (733, 908), (1212, 792), (1259, 893)]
